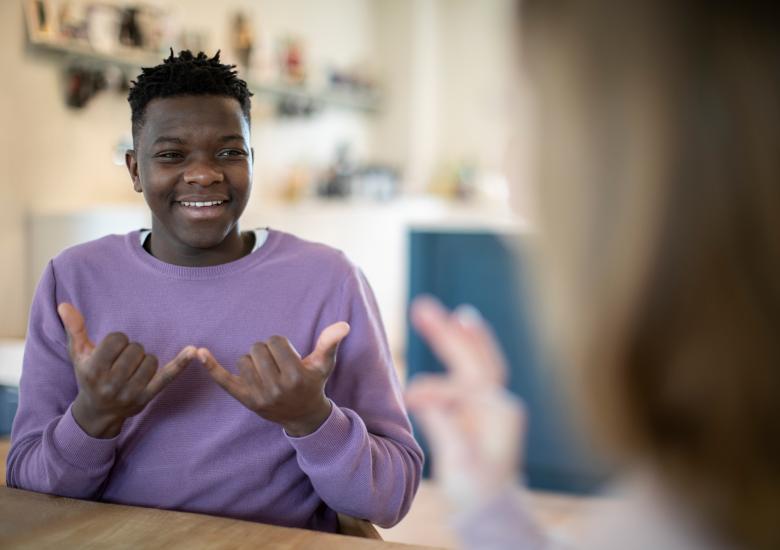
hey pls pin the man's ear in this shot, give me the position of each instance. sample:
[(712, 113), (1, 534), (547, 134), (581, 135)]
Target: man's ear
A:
[(132, 167), (252, 151)]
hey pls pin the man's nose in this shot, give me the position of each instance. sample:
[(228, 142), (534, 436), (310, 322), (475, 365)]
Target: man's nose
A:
[(203, 173)]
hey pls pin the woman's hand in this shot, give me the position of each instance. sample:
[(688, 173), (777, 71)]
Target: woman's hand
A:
[(116, 378), (474, 425), (278, 384)]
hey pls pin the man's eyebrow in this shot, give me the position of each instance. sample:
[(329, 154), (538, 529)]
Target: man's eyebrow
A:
[(168, 139), (180, 141), (232, 137)]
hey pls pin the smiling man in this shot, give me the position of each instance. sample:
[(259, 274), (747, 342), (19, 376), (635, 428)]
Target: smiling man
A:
[(291, 410)]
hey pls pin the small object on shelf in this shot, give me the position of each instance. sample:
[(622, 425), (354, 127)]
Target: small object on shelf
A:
[(292, 60), (295, 106), (72, 21), (376, 182), (454, 181), (39, 18), (103, 24), (157, 28), (296, 184), (129, 30), (243, 39), (82, 85), (337, 182), (354, 80)]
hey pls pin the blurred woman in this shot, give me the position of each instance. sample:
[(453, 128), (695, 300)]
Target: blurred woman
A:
[(658, 149)]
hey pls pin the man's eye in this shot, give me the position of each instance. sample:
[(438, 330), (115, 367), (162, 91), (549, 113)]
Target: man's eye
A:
[(232, 153), (168, 155)]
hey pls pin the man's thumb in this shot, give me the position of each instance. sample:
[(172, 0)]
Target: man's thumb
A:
[(323, 357), (79, 344)]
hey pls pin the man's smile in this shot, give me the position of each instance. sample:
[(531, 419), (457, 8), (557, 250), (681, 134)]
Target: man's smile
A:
[(201, 204), (201, 210)]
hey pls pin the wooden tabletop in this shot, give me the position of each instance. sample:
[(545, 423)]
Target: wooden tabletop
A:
[(34, 520), (4, 445)]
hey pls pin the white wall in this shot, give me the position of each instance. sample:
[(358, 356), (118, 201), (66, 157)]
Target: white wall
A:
[(407, 133), (475, 93), (451, 75)]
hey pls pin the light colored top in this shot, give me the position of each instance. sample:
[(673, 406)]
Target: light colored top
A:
[(640, 516)]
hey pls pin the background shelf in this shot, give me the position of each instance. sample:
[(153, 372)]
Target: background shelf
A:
[(132, 59)]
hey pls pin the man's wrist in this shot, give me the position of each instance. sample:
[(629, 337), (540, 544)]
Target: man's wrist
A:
[(311, 423), (100, 426)]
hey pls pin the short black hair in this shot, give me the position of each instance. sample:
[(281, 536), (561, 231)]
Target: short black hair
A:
[(186, 74)]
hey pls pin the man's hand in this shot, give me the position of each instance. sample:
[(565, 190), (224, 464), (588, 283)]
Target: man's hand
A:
[(278, 384), (116, 378)]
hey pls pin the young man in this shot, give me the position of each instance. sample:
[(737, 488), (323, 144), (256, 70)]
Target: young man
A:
[(251, 429)]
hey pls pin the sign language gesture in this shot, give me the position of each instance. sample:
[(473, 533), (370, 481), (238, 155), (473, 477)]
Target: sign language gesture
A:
[(278, 384), (116, 378), (473, 424)]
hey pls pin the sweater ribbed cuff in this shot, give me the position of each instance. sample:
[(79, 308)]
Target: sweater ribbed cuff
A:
[(80, 449), (329, 440)]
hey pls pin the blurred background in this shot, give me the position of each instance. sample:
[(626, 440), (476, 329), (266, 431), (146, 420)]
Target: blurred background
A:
[(382, 127), (356, 101)]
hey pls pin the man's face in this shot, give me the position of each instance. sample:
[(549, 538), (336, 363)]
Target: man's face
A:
[(193, 163)]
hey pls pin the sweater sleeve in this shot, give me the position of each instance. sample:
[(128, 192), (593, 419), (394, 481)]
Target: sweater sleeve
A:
[(50, 453), (363, 461)]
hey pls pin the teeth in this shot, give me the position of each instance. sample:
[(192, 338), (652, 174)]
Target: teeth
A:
[(201, 204)]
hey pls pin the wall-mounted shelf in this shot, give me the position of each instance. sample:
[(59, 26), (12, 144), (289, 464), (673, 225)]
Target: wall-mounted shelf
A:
[(71, 50), (368, 102), (132, 59)]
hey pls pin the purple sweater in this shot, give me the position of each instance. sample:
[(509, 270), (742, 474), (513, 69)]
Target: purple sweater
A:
[(194, 447)]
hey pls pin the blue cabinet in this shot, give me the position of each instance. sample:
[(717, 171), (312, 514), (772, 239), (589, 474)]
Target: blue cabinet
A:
[(9, 400), (483, 269)]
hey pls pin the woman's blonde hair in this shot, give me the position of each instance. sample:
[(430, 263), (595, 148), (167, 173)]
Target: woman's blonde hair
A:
[(660, 195)]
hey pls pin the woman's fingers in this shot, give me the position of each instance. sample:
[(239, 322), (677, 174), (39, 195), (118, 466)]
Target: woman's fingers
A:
[(474, 328), (431, 390), (462, 341), (433, 323)]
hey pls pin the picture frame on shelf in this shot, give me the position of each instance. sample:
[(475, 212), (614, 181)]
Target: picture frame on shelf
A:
[(40, 17)]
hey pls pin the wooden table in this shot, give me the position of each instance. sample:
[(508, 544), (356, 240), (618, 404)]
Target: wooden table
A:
[(34, 520), (4, 445)]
